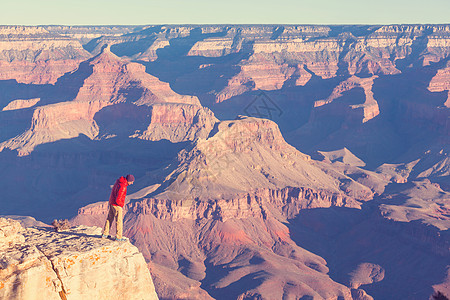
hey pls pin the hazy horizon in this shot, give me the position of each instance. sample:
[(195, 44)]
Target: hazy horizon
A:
[(233, 12), (231, 24)]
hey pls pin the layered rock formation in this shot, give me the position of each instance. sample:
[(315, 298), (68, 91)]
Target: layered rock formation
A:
[(87, 33), (246, 155), (420, 200), (38, 72), (178, 123), (441, 83), (237, 60), (20, 104), (364, 111), (106, 80), (36, 43), (37, 263), (35, 55), (215, 247), (324, 51), (263, 72), (117, 80)]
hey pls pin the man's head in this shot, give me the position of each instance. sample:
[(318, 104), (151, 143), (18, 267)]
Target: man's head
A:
[(130, 179)]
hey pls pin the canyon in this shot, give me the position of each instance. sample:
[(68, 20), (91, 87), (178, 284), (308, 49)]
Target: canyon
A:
[(271, 161)]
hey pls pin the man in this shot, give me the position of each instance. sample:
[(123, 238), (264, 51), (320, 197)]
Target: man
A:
[(116, 203)]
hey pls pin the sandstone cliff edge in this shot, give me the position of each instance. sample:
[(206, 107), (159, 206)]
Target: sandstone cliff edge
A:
[(37, 263)]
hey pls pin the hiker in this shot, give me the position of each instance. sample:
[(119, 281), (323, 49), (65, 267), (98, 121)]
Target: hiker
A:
[(116, 203)]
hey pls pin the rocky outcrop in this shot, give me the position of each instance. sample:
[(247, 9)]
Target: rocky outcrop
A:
[(364, 111), (55, 122), (178, 123), (191, 238), (263, 72), (36, 263), (116, 80), (366, 273), (422, 201), (38, 72), (20, 104), (441, 82), (222, 174)]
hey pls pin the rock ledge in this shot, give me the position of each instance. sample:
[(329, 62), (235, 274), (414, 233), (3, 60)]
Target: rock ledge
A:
[(37, 263)]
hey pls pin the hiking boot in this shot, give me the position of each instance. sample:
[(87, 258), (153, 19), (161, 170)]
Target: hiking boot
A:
[(121, 239), (104, 236)]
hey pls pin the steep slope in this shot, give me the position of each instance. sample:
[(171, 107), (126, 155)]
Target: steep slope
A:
[(362, 246), (75, 264), (406, 192), (344, 156), (344, 162), (364, 111), (245, 156), (441, 82), (429, 160), (418, 201), (114, 79), (178, 123)]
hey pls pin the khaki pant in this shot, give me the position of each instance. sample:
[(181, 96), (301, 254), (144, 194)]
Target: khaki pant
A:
[(117, 213)]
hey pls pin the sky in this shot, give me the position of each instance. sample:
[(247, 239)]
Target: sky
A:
[(142, 12)]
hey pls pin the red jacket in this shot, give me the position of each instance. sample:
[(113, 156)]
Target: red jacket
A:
[(118, 193)]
